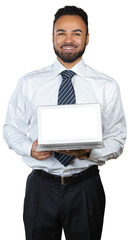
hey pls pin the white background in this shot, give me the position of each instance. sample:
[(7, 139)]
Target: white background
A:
[(25, 45)]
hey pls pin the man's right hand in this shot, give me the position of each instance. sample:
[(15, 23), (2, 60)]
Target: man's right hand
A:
[(39, 155)]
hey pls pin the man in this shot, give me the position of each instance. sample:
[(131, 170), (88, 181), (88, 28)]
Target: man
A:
[(65, 194)]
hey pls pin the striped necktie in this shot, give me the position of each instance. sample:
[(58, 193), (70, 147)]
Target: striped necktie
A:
[(66, 95)]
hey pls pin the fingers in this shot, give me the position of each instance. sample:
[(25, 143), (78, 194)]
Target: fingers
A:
[(39, 155), (75, 153), (88, 150)]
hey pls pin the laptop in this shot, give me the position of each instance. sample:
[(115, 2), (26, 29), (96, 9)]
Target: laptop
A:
[(69, 127)]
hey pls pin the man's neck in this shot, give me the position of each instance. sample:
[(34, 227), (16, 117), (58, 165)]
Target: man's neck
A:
[(69, 65)]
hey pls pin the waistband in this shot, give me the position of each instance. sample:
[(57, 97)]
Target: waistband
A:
[(88, 173)]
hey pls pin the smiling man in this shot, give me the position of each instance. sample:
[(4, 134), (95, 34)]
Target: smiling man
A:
[(70, 39), (64, 190)]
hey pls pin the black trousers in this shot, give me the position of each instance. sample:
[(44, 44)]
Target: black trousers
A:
[(78, 208)]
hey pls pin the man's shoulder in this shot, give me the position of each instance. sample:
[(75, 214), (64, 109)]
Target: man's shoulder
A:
[(99, 76), (38, 73)]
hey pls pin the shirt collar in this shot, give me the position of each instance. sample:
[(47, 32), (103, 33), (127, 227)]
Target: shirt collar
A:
[(79, 68)]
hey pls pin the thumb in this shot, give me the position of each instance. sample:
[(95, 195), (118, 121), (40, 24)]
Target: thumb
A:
[(34, 146)]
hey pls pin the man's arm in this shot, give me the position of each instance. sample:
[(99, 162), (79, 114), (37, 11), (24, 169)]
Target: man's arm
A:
[(114, 126), (16, 127)]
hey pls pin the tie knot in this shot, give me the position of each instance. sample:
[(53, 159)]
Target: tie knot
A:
[(67, 74)]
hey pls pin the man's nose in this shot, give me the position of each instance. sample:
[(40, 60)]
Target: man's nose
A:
[(69, 38)]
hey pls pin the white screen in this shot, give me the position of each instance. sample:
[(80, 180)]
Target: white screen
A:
[(69, 123)]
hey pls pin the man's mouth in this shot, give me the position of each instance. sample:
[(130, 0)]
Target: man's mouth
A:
[(68, 47)]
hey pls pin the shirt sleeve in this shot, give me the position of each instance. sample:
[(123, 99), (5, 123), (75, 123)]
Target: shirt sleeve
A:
[(114, 126), (16, 127)]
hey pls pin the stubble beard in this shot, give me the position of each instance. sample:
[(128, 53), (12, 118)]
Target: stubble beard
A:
[(69, 57)]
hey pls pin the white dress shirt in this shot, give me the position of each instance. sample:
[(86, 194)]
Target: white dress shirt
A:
[(41, 88)]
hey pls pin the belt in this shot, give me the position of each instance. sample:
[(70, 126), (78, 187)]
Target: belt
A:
[(77, 177)]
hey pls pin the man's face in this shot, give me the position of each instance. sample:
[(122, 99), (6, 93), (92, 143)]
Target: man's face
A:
[(70, 38)]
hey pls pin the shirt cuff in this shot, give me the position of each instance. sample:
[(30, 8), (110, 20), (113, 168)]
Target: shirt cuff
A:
[(101, 155), (27, 148)]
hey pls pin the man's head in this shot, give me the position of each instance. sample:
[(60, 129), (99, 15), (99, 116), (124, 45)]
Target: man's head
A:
[(70, 34), (71, 10)]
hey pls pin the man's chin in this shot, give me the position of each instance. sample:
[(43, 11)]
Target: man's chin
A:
[(68, 57)]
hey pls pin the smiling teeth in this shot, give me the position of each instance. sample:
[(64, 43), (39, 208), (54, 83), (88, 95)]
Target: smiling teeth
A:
[(68, 48)]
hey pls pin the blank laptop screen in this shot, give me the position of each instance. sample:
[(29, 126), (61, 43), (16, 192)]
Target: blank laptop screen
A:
[(69, 123)]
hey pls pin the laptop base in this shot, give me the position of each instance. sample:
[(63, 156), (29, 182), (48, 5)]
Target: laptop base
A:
[(69, 146)]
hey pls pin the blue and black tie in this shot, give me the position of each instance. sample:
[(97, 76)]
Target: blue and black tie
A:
[(66, 95)]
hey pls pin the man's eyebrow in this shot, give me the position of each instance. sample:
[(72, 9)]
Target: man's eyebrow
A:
[(60, 30), (77, 30)]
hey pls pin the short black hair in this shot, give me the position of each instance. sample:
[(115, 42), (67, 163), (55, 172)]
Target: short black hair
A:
[(72, 10)]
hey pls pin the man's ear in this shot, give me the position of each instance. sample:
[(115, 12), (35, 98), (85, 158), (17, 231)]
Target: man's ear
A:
[(52, 37), (87, 39)]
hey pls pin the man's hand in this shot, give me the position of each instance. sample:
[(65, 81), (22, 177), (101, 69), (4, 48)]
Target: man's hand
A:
[(39, 155), (77, 153)]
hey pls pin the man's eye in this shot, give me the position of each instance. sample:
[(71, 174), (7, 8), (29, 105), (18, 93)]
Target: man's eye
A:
[(77, 34), (60, 34)]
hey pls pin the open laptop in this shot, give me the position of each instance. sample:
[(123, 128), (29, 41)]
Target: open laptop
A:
[(68, 127)]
